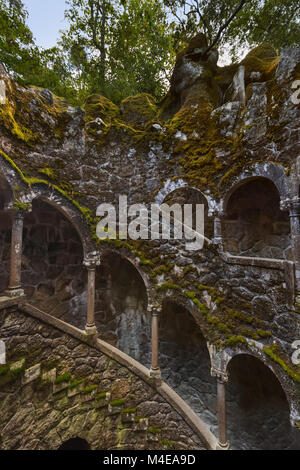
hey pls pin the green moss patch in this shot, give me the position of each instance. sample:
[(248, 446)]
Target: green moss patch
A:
[(154, 430), (263, 59), (76, 383), (129, 411), (63, 378), (138, 110), (89, 389), (101, 396), (118, 402), (272, 354), (4, 370), (97, 106)]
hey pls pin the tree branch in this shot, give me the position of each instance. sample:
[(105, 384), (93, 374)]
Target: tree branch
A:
[(94, 18), (230, 19)]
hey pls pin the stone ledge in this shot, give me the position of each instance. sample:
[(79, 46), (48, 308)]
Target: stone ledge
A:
[(269, 263)]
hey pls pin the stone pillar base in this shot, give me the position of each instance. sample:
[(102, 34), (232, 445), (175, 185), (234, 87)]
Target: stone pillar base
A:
[(155, 373), (223, 446), (91, 330), (14, 293)]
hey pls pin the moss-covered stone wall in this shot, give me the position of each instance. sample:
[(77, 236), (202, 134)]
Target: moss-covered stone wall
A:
[(205, 136)]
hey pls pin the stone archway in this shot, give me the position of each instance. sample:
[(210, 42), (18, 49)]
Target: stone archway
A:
[(254, 225), (54, 278), (258, 415), (185, 361), (75, 444), (121, 314)]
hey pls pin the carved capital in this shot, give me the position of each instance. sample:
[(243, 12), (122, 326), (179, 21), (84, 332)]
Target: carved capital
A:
[(92, 260), (292, 205), (155, 310), (217, 213), (221, 376), (219, 360)]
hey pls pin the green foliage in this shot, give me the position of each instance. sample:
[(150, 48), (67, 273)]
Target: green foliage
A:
[(272, 21), (122, 52), (16, 42), (121, 48)]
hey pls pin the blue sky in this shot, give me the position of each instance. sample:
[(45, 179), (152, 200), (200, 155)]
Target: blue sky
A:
[(46, 18)]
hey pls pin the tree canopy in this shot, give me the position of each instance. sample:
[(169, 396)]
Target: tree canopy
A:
[(123, 47)]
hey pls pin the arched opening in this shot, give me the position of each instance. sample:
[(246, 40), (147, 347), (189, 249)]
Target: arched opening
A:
[(185, 362), (254, 224), (121, 307), (75, 444), (192, 196), (5, 233), (53, 276), (258, 413)]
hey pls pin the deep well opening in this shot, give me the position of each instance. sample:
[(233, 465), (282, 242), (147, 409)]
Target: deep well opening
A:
[(121, 307), (75, 444), (185, 361), (254, 224), (54, 278), (257, 408), (5, 234)]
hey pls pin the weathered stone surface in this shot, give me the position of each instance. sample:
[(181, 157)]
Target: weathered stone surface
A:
[(289, 61)]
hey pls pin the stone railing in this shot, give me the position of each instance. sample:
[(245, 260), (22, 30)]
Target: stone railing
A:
[(35, 372)]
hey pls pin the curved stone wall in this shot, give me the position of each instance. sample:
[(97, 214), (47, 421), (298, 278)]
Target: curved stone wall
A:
[(56, 387)]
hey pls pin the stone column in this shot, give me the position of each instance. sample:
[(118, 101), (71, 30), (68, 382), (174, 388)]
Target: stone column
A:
[(295, 228), (219, 361), (91, 262), (221, 405), (293, 205), (222, 379), (218, 236), (14, 288), (155, 369)]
